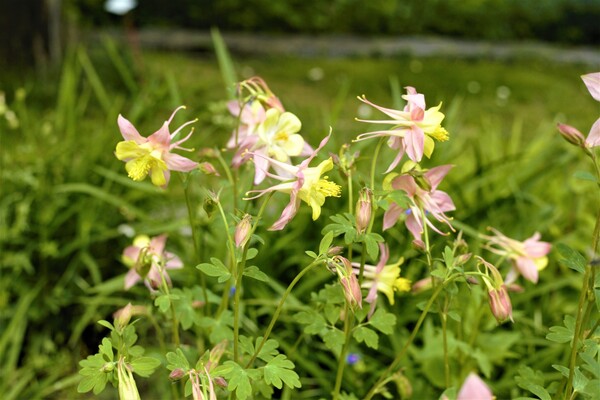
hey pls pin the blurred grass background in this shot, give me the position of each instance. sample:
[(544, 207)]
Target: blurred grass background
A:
[(66, 202)]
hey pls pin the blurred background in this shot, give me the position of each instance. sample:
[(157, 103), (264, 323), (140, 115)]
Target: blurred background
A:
[(506, 70)]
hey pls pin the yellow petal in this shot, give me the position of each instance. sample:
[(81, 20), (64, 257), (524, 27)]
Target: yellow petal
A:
[(129, 149), (541, 263), (158, 174), (293, 145)]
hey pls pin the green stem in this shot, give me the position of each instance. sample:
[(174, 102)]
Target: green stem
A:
[(383, 378), (350, 207), (374, 161), (239, 273), (165, 287), (192, 219), (310, 266), (348, 325), (442, 310)]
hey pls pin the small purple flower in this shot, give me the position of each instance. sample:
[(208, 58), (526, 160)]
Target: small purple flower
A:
[(352, 358)]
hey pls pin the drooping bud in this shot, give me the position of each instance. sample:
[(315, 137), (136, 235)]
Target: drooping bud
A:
[(176, 374), (122, 317), (242, 231), (500, 304), (363, 210), (403, 384), (348, 281), (571, 135)]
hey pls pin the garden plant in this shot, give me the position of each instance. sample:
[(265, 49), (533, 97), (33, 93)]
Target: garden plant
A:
[(321, 265)]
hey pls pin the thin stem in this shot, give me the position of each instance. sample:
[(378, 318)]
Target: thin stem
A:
[(348, 324), (310, 266), (444, 319), (165, 287), (375, 388), (374, 161), (239, 273), (192, 219), (350, 207)]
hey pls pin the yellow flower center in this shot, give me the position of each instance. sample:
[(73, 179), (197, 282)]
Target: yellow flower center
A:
[(138, 168), (440, 134), (328, 188), (281, 136)]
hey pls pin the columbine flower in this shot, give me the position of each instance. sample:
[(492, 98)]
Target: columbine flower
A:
[(383, 278), (474, 389), (152, 155), (422, 200), (146, 258), (498, 298), (413, 129), (307, 185), (592, 82), (276, 137), (527, 257), (252, 114)]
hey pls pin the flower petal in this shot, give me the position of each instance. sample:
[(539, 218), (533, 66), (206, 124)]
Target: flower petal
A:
[(415, 142), (391, 216), (175, 162), (527, 268), (436, 175), (128, 130), (592, 81), (593, 138)]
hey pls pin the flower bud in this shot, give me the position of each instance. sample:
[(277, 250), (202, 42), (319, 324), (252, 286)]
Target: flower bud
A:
[(403, 384), (208, 169), (176, 374), (122, 317), (500, 304), (242, 231), (220, 381), (363, 210), (352, 290), (571, 135)]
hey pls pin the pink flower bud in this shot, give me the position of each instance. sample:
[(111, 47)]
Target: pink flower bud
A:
[(176, 374), (242, 231), (220, 381), (500, 304), (571, 135), (474, 388), (363, 210), (208, 169), (352, 290)]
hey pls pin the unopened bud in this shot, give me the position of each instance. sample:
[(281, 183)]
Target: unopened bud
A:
[(500, 304), (363, 210), (571, 135), (351, 290), (242, 231), (127, 387), (208, 169), (403, 384), (463, 258), (220, 381), (334, 250), (176, 374)]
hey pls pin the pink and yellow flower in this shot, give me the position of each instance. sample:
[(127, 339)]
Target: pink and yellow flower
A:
[(307, 184), (383, 278), (528, 257), (148, 260), (152, 155), (421, 201), (413, 129)]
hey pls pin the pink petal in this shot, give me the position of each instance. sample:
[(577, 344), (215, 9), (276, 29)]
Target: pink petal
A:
[(395, 114), (261, 165), (413, 224), (132, 252), (415, 141), (406, 183), (128, 131), (157, 244), (535, 248), (305, 163), (474, 389), (175, 162), (131, 278), (400, 154), (161, 137), (417, 114), (383, 258), (414, 98), (288, 213), (391, 216), (593, 138), (436, 175), (173, 262), (592, 81), (443, 201), (527, 268)]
